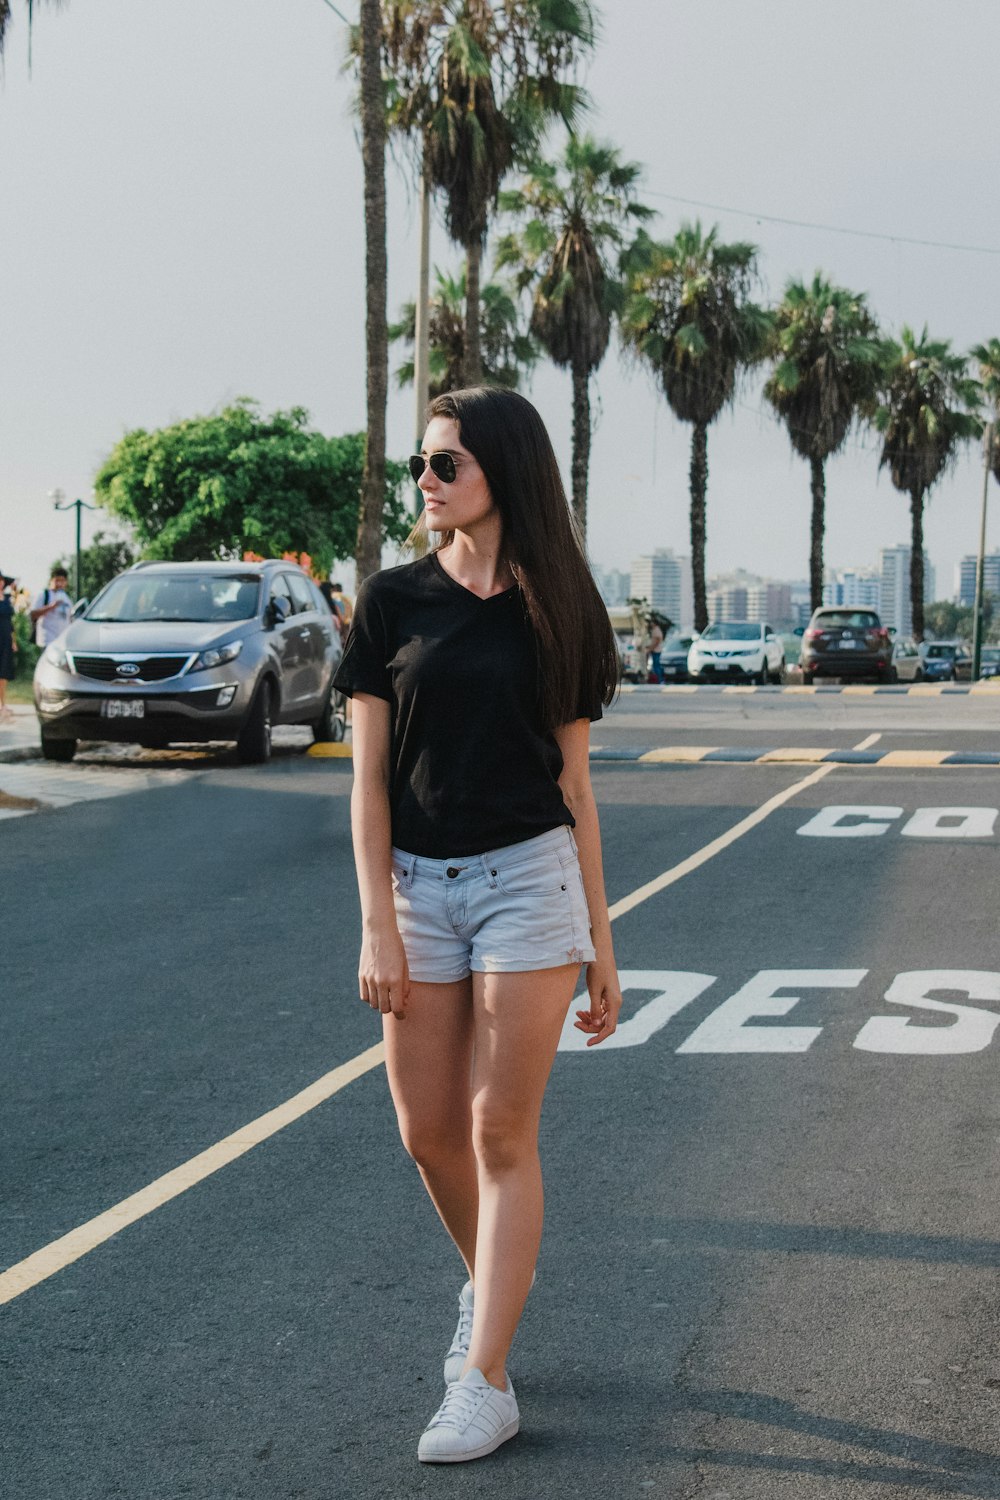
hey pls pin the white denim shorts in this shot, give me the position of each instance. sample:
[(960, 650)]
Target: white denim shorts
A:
[(508, 911)]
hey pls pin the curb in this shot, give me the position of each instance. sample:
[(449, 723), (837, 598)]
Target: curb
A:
[(752, 755), (20, 752), (860, 690)]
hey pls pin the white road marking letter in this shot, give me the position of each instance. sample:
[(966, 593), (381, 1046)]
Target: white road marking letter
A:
[(829, 823), (675, 989), (951, 823), (725, 1030), (971, 1031)]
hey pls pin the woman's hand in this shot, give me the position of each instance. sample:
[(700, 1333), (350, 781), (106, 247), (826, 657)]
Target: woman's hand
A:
[(383, 974), (605, 1002)]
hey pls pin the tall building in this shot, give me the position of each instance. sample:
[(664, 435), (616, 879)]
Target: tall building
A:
[(855, 588), (664, 580), (770, 603), (966, 583), (728, 601), (614, 586), (894, 576)]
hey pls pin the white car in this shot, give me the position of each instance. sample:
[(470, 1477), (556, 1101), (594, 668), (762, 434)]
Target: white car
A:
[(738, 649)]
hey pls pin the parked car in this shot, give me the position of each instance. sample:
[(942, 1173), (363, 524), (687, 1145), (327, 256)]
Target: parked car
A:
[(674, 658), (989, 661), (189, 652), (736, 649), (907, 662), (842, 642), (946, 661)]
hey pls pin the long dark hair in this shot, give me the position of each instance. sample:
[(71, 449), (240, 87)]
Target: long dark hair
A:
[(577, 654)]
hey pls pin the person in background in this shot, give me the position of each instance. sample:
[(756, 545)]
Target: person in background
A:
[(8, 644), (343, 602), (655, 647), (51, 609)]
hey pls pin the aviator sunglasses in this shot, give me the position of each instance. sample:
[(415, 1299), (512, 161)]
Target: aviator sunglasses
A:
[(441, 464)]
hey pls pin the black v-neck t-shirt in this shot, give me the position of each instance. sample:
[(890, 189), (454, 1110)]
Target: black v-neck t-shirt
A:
[(472, 766)]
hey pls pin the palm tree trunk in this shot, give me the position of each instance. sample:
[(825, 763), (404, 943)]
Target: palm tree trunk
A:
[(581, 444), (699, 487), (472, 371), (917, 562), (817, 528), (368, 553)]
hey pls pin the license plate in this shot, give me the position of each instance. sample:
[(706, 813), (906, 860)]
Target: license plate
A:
[(668, 671), (848, 645), (123, 708)]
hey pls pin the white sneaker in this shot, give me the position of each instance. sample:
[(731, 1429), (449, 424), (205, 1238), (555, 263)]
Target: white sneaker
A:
[(454, 1360), (473, 1419)]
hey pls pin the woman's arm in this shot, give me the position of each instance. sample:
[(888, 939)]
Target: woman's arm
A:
[(383, 977), (578, 794)]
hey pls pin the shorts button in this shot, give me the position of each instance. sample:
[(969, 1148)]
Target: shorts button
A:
[(451, 872), (493, 873)]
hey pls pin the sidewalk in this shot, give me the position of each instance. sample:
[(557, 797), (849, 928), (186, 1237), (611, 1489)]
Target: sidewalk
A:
[(19, 736)]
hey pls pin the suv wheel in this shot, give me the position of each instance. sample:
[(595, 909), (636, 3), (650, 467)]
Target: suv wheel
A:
[(331, 724), (57, 749), (254, 744), (807, 679)]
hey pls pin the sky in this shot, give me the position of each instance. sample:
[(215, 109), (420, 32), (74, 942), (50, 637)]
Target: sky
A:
[(181, 223)]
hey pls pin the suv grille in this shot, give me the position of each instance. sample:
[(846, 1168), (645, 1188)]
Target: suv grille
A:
[(105, 668)]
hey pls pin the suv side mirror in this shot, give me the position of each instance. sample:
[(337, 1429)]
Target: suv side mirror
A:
[(278, 610), (78, 608), (799, 630)]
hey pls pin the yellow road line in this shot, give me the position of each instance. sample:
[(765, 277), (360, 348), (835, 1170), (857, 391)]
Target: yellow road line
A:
[(925, 689), (78, 1242), (860, 691), (330, 750)]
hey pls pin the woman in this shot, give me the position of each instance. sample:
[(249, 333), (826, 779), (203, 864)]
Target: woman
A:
[(475, 672), (8, 645)]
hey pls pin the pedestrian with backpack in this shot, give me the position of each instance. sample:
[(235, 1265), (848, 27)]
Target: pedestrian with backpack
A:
[(51, 609)]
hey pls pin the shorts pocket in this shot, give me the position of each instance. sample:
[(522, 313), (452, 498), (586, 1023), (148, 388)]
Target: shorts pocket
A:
[(538, 877)]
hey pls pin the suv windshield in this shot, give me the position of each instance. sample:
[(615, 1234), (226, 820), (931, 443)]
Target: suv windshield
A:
[(205, 598), (735, 631), (939, 651), (862, 619)]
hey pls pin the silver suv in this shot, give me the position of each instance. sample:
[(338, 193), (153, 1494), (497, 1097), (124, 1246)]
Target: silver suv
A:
[(189, 652)]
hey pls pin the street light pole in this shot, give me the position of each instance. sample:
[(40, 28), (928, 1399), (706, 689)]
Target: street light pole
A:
[(79, 506), (977, 614)]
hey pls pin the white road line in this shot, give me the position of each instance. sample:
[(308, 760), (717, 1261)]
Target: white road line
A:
[(78, 1242), (868, 743)]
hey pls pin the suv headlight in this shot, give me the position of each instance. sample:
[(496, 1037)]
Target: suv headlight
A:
[(56, 657), (217, 656)]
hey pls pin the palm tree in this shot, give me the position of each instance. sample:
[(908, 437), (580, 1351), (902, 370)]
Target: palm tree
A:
[(6, 12), (826, 361), (988, 357), (927, 407), (690, 316), (368, 553), (576, 213), (475, 83), (507, 351)]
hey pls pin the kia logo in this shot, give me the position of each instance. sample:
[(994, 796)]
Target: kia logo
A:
[(127, 669)]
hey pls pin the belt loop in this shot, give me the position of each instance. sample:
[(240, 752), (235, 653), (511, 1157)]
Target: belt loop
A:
[(411, 865), (488, 862)]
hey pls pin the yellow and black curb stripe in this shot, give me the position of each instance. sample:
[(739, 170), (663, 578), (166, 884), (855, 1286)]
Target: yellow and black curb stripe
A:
[(855, 690), (753, 755), (809, 755)]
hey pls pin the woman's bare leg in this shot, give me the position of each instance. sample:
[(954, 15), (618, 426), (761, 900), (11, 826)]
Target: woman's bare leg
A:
[(518, 1019), (429, 1062)]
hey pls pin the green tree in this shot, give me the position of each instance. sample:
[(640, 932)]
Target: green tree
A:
[(474, 85), (508, 352), (691, 317), (575, 215), (826, 361), (927, 408), (988, 357), (947, 620), (236, 481), (104, 559)]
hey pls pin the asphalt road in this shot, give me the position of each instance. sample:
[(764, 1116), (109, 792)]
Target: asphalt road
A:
[(769, 1267)]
